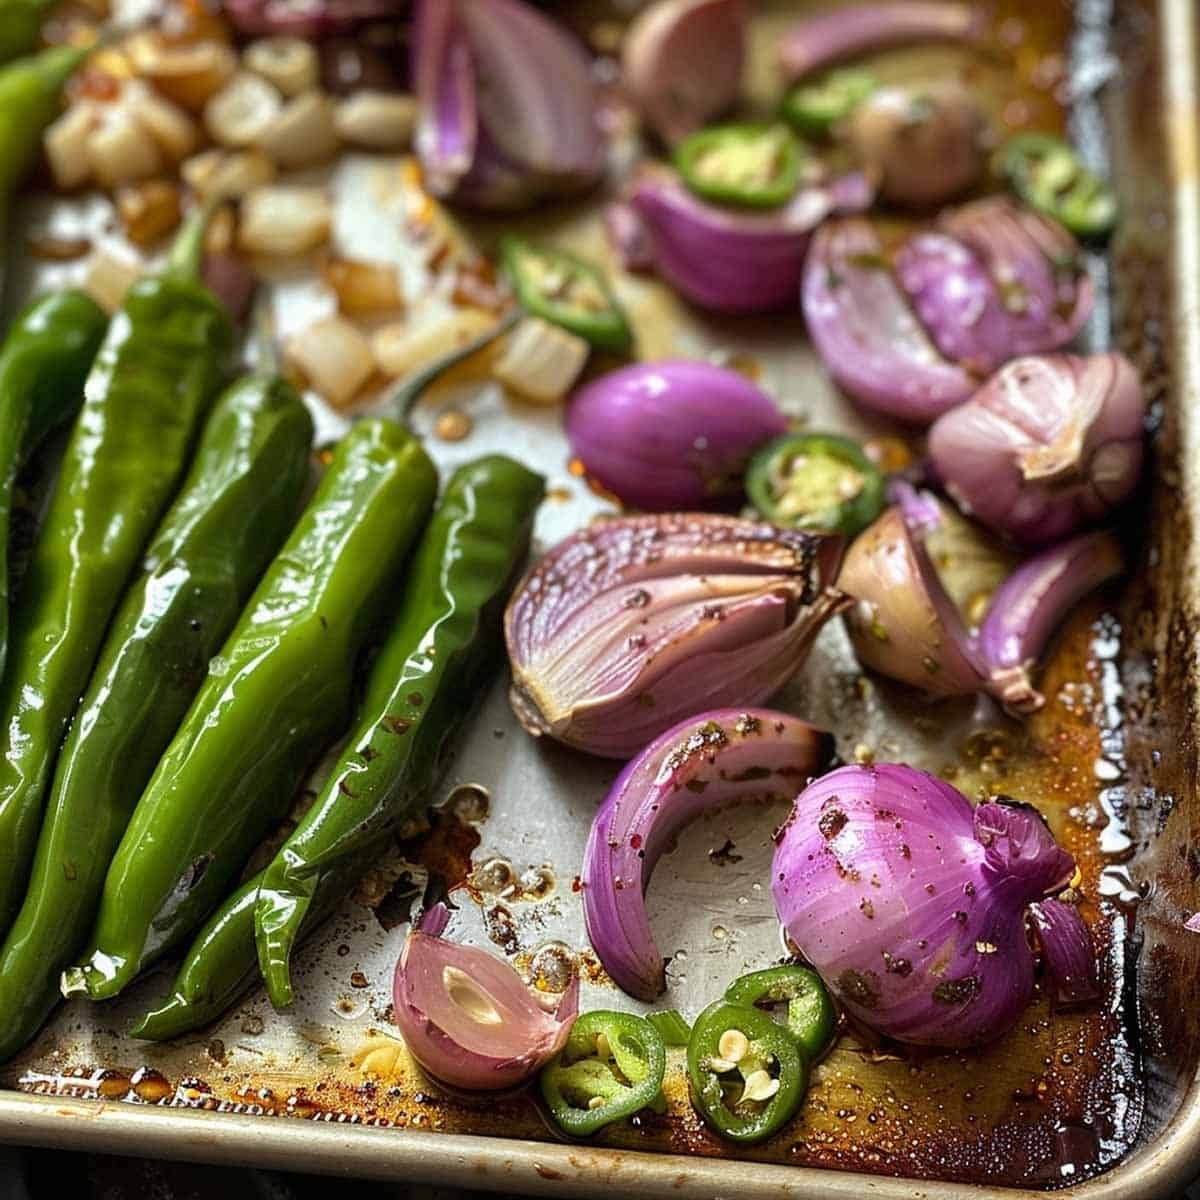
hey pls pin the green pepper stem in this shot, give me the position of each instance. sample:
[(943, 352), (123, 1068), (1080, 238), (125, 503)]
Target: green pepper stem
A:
[(406, 395), (187, 251)]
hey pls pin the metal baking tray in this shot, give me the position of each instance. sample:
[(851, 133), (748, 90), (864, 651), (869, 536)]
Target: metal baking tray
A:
[(1104, 1103)]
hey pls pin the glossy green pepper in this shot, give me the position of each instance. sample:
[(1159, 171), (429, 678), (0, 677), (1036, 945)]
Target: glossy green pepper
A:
[(816, 481), (20, 24), (276, 694), (221, 962), (811, 1018), (148, 391), (757, 166), (815, 107), (43, 365), (435, 660), (236, 506), (611, 1066), (30, 96), (486, 508), (747, 1074), (562, 288), (1048, 175)]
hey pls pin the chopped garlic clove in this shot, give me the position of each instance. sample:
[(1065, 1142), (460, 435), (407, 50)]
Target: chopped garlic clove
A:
[(242, 111), (285, 220), (377, 120), (541, 361), (301, 133), (286, 62), (334, 358), (66, 146)]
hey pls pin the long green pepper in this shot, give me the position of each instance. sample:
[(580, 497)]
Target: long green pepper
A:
[(277, 693), (20, 24), (425, 676), (240, 500), (30, 96), (43, 366), (470, 554), (147, 393)]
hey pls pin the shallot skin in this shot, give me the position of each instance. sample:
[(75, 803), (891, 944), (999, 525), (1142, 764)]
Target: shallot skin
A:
[(924, 145), (910, 903)]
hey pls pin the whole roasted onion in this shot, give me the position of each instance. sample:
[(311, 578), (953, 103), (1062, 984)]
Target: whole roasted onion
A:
[(671, 435), (924, 145), (507, 104), (1048, 445), (911, 903), (634, 623)]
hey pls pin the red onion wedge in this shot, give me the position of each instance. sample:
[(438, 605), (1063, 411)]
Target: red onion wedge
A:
[(905, 625), (1048, 445), (866, 333), (468, 1018), (1067, 950), (727, 756), (1028, 607), (634, 623), (910, 903), (671, 435), (729, 261), (856, 29), (534, 134), (1035, 267), (681, 63)]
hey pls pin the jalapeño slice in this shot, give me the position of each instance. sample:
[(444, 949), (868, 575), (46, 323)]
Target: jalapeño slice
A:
[(811, 1017), (757, 166), (565, 290), (816, 481), (611, 1067), (1048, 175), (814, 108)]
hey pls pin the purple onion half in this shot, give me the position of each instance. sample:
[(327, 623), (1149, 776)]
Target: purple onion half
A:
[(724, 260), (507, 104)]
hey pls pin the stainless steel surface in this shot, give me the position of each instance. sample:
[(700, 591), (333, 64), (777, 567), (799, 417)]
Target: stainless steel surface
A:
[(332, 1058)]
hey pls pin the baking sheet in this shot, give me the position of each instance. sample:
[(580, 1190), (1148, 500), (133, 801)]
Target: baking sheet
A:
[(1056, 1101)]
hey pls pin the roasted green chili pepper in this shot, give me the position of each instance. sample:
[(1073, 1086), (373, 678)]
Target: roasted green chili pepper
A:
[(816, 481), (501, 495), (435, 660), (20, 24), (145, 397), (611, 1066), (236, 507), (811, 1017), (221, 962), (562, 288), (277, 692), (815, 107), (747, 1073), (1047, 174), (43, 365), (30, 95), (753, 165)]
